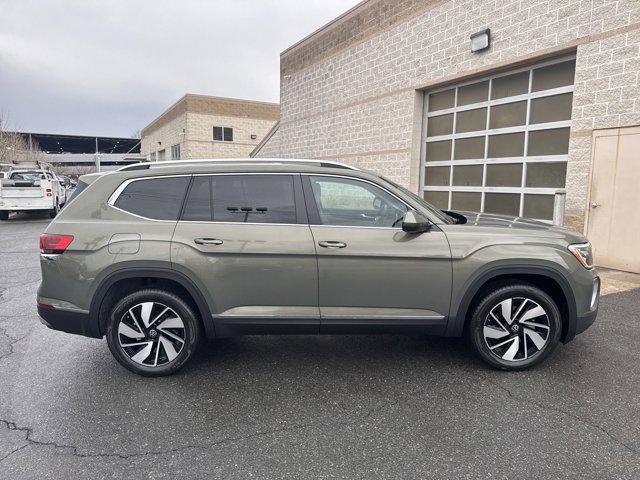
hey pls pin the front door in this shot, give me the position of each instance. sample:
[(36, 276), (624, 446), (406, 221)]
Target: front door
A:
[(371, 273), (614, 205), (246, 238)]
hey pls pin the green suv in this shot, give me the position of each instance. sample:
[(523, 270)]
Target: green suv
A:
[(157, 257)]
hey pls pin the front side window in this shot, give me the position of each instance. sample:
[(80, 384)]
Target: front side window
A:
[(348, 202), (241, 198), (223, 134), (155, 198)]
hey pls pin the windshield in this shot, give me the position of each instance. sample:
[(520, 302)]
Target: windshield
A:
[(31, 176), (435, 211)]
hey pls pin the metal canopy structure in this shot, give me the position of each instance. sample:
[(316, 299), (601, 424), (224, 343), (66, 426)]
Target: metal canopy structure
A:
[(58, 144)]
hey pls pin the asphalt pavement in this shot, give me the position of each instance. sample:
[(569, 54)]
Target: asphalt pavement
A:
[(362, 407)]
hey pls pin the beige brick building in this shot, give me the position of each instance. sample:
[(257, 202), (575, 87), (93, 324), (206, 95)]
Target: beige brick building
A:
[(200, 126), (393, 86)]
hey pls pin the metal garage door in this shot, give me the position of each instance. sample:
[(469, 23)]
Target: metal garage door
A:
[(499, 144)]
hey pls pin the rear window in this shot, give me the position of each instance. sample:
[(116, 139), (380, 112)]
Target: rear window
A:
[(241, 198), (31, 176), (155, 198)]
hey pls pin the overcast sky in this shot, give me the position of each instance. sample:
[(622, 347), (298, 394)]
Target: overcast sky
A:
[(109, 67)]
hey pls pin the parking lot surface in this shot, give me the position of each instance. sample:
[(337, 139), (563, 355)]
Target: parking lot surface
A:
[(309, 406)]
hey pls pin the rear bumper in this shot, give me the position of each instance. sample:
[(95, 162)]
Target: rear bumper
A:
[(69, 321), (23, 208)]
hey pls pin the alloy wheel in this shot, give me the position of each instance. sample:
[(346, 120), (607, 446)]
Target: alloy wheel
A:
[(151, 334), (516, 329)]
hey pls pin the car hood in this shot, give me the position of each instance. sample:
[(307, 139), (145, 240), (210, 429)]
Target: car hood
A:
[(490, 220)]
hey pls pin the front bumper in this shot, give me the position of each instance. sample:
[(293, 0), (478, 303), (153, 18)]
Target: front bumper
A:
[(585, 321), (69, 321), (588, 317)]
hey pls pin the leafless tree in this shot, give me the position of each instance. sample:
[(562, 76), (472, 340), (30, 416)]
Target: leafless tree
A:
[(14, 148), (137, 134)]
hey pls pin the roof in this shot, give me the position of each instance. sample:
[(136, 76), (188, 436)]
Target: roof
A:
[(210, 105), (53, 143)]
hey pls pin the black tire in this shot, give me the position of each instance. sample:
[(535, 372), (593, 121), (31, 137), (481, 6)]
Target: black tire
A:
[(4, 215), (192, 332), (54, 211), (550, 324)]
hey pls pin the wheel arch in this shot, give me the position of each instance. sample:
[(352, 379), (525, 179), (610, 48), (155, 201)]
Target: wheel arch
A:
[(131, 279), (548, 279)]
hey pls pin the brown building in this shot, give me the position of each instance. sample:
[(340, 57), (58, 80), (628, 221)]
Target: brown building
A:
[(200, 126)]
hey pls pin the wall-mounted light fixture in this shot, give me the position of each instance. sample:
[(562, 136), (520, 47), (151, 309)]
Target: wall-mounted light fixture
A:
[(254, 136), (481, 41)]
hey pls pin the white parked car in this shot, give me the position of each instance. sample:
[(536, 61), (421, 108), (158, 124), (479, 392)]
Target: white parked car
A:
[(31, 187)]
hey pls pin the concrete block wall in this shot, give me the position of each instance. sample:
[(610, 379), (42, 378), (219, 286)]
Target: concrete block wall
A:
[(354, 99), (171, 133), (200, 142)]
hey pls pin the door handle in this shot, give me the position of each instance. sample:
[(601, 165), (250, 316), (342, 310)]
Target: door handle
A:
[(331, 244), (208, 241)]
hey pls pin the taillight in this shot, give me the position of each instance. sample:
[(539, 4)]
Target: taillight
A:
[(49, 193), (50, 243)]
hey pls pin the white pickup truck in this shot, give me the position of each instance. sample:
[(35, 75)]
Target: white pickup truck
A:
[(31, 187)]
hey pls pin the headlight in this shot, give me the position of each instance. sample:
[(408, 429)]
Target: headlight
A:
[(584, 254)]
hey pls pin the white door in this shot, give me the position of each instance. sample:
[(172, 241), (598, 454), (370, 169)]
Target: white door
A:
[(614, 205)]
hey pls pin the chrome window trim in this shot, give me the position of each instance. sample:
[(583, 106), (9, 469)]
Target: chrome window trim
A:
[(116, 194), (118, 191)]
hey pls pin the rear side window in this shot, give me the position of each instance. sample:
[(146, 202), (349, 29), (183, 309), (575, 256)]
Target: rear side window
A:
[(156, 198), (242, 198)]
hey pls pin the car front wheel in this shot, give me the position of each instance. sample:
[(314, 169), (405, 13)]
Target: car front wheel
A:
[(153, 332), (515, 327)]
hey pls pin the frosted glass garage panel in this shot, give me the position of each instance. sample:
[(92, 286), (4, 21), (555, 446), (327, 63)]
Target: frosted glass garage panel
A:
[(437, 199), (553, 76), (502, 203), (471, 120), (442, 100), (538, 206), (440, 125), (437, 176), (500, 143), (469, 201)]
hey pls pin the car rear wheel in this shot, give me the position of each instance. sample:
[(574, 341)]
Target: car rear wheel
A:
[(153, 332), (515, 327), (53, 213)]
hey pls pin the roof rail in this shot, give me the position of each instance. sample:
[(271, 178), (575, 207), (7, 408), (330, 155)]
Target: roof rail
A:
[(234, 161)]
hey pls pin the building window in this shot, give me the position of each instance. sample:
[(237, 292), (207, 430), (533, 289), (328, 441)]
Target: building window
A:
[(152, 157), (500, 144), (175, 152), (223, 134)]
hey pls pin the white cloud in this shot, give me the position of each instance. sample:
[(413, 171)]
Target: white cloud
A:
[(108, 68)]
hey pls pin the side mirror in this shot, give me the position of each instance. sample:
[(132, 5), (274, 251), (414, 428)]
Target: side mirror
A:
[(415, 222)]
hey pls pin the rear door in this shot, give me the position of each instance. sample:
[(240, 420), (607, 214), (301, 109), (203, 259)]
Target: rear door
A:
[(372, 275), (246, 238)]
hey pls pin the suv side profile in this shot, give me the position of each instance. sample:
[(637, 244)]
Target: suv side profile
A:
[(157, 257)]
